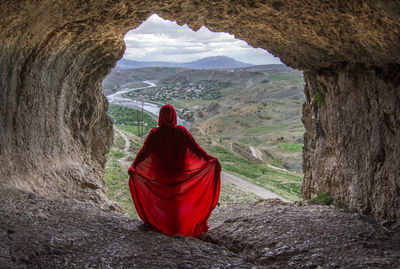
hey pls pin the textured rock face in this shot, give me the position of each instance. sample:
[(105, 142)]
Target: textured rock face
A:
[(278, 235), (36, 232), (54, 133), (352, 150)]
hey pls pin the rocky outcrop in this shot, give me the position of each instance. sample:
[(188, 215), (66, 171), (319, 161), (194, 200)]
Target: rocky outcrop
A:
[(54, 132), (352, 120)]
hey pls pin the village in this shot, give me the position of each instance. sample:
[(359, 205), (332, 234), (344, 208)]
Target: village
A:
[(203, 89)]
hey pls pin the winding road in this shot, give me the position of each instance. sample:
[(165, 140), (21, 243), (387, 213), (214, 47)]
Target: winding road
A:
[(247, 186)]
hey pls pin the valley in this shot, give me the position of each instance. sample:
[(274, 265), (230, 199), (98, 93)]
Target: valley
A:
[(250, 118)]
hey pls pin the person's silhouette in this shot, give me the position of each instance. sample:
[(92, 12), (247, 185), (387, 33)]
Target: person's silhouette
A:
[(174, 183)]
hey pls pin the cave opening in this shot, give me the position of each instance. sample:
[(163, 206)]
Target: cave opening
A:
[(55, 134), (241, 104)]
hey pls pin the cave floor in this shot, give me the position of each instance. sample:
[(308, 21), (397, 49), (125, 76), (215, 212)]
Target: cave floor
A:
[(36, 232)]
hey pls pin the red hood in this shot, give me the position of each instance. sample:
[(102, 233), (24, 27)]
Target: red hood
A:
[(167, 116)]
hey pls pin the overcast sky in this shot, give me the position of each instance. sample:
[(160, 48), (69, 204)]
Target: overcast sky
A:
[(162, 40)]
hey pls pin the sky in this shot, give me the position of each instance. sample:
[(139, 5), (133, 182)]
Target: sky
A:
[(157, 39)]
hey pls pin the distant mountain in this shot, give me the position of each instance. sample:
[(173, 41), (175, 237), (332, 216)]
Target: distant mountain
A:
[(215, 62), (231, 76), (267, 67)]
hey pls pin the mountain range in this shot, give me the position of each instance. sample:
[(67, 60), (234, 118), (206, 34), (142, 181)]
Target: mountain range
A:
[(214, 62)]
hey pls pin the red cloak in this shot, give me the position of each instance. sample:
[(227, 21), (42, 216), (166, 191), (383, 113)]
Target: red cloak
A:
[(174, 183)]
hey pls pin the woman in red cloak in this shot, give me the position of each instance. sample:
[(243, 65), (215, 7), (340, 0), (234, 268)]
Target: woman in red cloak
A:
[(174, 183)]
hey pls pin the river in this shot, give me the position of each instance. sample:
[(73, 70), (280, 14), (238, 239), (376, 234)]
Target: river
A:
[(118, 99)]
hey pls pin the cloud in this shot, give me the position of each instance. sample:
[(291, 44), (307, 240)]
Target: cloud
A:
[(157, 39)]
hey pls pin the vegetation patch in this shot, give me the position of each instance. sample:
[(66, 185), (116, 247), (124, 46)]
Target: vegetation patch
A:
[(135, 146), (126, 119), (250, 140), (266, 128), (117, 187), (119, 142), (114, 153), (133, 129), (322, 198), (319, 99), (281, 77), (292, 147), (125, 115), (283, 183)]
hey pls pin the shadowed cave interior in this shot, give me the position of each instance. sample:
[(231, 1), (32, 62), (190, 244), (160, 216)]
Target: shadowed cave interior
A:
[(55, 134)]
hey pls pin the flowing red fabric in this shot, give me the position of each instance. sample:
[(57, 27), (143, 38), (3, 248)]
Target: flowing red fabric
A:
[(174, 183)]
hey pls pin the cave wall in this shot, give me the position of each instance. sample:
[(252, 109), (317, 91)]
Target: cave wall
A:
[(54, 132), (352, 149)]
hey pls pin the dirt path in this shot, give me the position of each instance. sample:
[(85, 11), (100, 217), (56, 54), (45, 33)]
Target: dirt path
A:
[(249, 187), (124, 162), (127, 142)]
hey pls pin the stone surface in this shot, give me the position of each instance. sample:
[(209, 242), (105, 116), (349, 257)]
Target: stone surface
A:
[(352, 149), (54, 132), (37, 232), (274, 234)]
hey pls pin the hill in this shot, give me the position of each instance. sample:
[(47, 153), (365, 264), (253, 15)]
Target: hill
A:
[(214, 62), (228, 76), (267, 67), (133, 78)]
